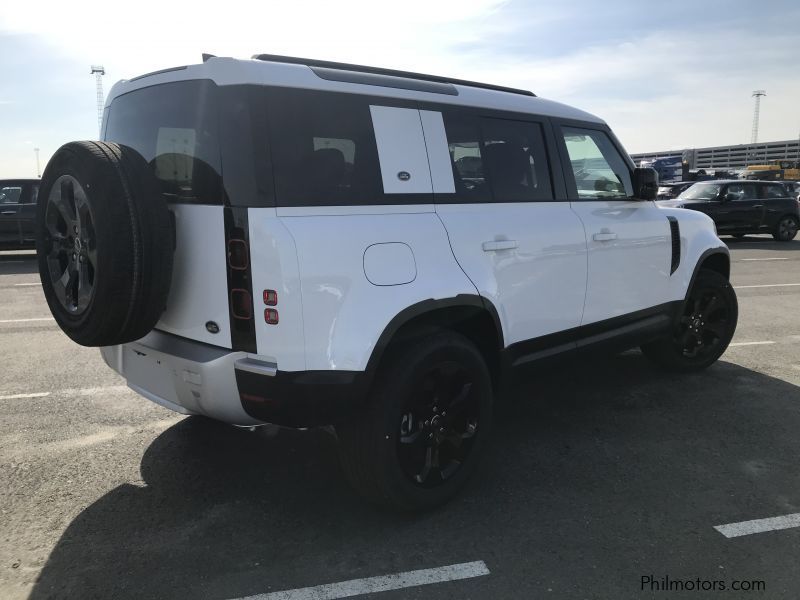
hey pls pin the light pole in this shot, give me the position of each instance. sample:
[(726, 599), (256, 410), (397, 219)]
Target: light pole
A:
[(38, 170), (98, 71)]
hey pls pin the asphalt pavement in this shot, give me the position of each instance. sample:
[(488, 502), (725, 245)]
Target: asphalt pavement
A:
[(606, 478)]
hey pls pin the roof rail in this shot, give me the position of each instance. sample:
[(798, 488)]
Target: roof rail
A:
[(310, 62)]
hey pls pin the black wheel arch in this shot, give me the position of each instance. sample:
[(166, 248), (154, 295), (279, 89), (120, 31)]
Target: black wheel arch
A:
[(715, 259), (471, 315)]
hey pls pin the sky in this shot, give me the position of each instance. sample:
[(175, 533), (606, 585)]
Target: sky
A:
[(664, 75)]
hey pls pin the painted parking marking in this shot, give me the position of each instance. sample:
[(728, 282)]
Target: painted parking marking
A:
[(750, 343), (757, 259), (34, 395), (767, 285), (92, 391), (732, 530), (383, 583), (26, 320), (26, 284)]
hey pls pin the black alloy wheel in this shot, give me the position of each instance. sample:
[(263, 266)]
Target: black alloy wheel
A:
[(438, 426), (425, 425), (786, 229), (70, 244), (704, 328), (704, 325)]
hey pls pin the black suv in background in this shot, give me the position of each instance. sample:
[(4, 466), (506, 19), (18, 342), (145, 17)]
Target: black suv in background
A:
[(17, 212), (739, 207)]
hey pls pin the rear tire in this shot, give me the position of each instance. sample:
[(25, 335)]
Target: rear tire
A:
[(104, 243), (786, 229), (704, 328), (428, 419)]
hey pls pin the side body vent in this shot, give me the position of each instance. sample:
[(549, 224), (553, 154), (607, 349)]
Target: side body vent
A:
[(675, 232)]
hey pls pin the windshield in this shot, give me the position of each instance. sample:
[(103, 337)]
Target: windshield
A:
[(701, 191)]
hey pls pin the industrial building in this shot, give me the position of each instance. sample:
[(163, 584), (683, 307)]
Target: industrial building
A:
[(730, 157)]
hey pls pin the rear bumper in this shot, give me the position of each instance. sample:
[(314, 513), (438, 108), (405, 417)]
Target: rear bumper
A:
[(190, 377)]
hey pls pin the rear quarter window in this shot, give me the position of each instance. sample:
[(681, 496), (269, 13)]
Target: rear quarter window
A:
[(323, 149)]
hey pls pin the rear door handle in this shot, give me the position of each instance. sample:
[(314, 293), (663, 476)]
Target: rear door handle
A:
[(604, 236), (496, 245)]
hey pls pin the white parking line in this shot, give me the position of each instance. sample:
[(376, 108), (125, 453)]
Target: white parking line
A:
[(384, 583), (26, 320), (26, 284), (15, 396), (757, 259), (92, 391), (741, 287), (759, 525), (750, 343)]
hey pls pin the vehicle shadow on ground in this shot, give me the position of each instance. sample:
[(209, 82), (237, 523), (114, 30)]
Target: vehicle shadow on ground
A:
[(612, 472), (18, 263)]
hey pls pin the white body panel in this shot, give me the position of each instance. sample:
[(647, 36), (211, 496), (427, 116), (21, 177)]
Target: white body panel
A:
[(438, 152), (538, 285), (199, 291), (629, 257), (697, 237), (273, 257), (344, 313)]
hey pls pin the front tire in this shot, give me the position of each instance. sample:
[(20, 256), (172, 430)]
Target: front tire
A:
[(786, 229), (704, 328), (424, 430)]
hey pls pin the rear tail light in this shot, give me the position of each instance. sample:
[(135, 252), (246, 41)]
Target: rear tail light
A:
[(270, 297), (270, 316), (237, 255), (241, 304)]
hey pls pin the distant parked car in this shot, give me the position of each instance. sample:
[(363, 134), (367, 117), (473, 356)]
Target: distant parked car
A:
[(17, 212), (739, 207), (668, 191)]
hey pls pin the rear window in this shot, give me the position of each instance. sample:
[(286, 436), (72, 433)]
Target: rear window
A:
[(174, 127)]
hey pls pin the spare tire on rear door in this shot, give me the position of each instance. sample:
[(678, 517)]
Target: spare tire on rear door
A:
[(104, 243)]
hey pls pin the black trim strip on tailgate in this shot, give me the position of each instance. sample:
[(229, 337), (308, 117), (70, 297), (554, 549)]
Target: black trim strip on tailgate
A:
[(240, 280)]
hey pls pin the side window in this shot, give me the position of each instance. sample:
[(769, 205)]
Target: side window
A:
[(10, 194), (741, 191), (464, 145), (600, 171), (174, 127), (516, 159), (324, 150), (775, 191), (34, 194)]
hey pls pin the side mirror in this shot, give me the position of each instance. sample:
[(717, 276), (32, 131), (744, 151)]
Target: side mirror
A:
[(645, 183)]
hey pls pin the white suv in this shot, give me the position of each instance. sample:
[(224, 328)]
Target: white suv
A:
[(307, 243)]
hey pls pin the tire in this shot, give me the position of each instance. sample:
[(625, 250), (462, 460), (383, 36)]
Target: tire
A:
[(384, 452), (104, 243), (786, 229), (713, 330)]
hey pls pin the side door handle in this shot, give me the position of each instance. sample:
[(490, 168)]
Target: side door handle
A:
[(604, 236), (8, 212), (496, 245)]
